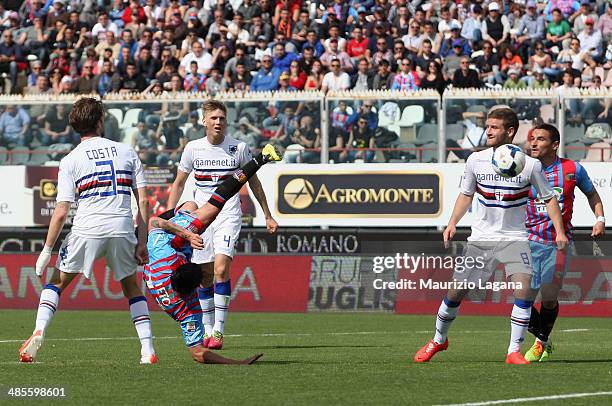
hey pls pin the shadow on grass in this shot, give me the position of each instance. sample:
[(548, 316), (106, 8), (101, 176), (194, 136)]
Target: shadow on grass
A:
[(296, 347)]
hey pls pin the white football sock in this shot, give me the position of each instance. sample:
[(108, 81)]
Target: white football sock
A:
[(47, 306), (446, 314), (519, 321), (142, 323), (207, 303)]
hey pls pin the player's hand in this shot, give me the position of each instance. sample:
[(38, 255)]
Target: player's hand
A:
[(196, 241), (599, 229), (562, 241), (449, 233), (43, 260), (271, 225), (141, 254)]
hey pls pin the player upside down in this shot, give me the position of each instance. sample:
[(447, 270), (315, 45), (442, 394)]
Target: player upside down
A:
[(170, 277)]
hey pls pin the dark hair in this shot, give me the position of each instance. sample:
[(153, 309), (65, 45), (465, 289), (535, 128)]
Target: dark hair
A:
[(85, 115), (186, 278), (508, 117), (551, 130)]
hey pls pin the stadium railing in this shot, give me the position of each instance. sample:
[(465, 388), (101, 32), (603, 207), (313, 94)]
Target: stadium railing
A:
[(416, 126)]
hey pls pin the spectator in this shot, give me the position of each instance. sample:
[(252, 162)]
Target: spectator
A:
[(471, 29), (103, 26), (541, 59), (215, 82), (531, 30), (175, 140), (510, 60), (283, 83), (14, 127), (591, 40), (116, 12), (297, 78), (194, 81), (266, 78), (145, 143), (313, 42), (109, 42), (240, 55), (36, 70), (282, 59), (558, 31), (146, 65), (132, 81), (565, 7), (288, 124), (361, 138), (34, 37), (382, 52), (10, 55), (605, 24), (384, 77), (539, 80), (336, 79), (447, 22), (249, 9), (400, 23), (577, 57), (41, 87), (314, 80), (475, 136), (362, 79), (308, 137), (220, 56), (364, 111), (434, 78), (241, 79), (199, 55), (572, 104), (424, 57), (103, 82), (333, 53), (452, 61), (592, 108), (248, 133), (514, 81), (127, 41), (357, 46), (147, 40), (56, 128), (407, 78), (455, 38), (57, 13), (495, 27), (465, 77), (259, 31), (412, 40), (488, 65), (66, 85), (86, 83), (194, 128)]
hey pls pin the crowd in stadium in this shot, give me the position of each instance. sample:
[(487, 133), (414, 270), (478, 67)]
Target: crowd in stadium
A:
[(157, 46)]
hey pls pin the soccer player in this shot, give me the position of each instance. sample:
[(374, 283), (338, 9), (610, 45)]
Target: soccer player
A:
[(213, 158), (105, 173), (170, 277), (550, 264), (498, 233)]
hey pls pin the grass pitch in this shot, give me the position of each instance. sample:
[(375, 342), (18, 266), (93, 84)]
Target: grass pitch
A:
[(308, 359)]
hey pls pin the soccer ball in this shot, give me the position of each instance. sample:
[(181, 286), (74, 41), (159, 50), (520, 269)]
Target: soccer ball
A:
[(508, 160)]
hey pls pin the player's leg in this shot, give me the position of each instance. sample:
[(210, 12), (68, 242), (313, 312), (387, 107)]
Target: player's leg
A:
[(207, 301), (205, 356), (76, 255), (47, 306), (120, 258), (222, 296), (540, 260)]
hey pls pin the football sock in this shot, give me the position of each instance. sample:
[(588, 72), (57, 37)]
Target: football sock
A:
[(519, 321), (232, 185), (49, 300), (223, 293), (547, 322), (534, 322), (142, 323), (446, 314), (207, 303)]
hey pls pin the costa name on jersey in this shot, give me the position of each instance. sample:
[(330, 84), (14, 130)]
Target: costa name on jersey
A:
[(104, 186), (500, 208), (212, 164)]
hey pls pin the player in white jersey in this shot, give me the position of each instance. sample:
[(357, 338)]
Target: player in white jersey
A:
[(212, 159), (105, 173), (498, 234)]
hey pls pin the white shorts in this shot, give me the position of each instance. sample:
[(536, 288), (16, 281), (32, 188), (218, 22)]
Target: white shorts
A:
[(514, 255), (78, 254), (219, 238)]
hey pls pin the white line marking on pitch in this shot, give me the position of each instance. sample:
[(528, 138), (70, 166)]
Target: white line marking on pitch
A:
[(341, 333), (534, 399)]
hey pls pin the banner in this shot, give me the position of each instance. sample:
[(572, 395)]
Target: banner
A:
[(278, 284), (15, 200)]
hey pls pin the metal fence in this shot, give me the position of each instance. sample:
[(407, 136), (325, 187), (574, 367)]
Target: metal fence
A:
[(370, 126)]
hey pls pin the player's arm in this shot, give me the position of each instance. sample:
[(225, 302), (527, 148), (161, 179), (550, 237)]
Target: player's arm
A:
[(260, 195), (141, 254), (463, 202), (177, 187), (545, 191), (172, 228), (599, 228)]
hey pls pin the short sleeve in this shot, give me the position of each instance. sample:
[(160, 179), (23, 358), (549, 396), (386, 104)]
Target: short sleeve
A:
[(138, 171), (543, 187), (245, 154), (65, 183), (186, 164), (583, 181), (468, 181)]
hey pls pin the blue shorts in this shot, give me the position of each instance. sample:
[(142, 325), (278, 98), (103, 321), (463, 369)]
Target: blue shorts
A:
[(549, 264), (193, 330)]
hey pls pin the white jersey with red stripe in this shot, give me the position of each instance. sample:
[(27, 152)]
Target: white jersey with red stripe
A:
[(501, 202), (212, 164), (103, 173)]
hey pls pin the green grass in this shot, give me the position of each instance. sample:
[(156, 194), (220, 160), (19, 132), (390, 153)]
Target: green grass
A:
[(309, 359)]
